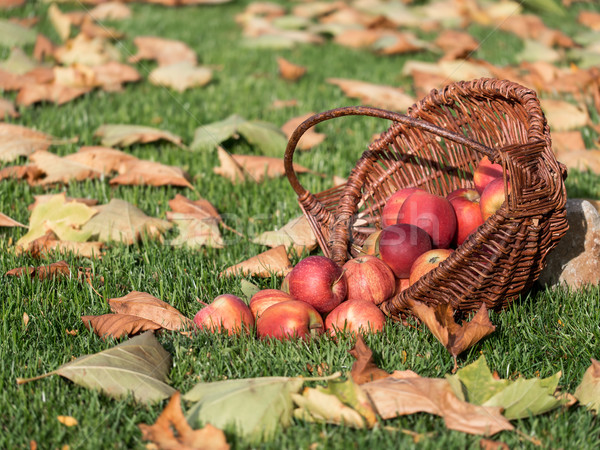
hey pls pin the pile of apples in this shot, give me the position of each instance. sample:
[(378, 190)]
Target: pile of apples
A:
[(420, 230)]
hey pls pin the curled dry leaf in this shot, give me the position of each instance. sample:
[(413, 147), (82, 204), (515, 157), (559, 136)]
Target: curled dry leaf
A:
[(364, 368), (58, 269), (48, 243), (314, 405), (51, 92), (7, 109), (171, 431), (59, 170), (148, 307), (290, 71), (456, 338), (296, 234), (194, 233), (16, 141), (272, 262), (181, 76), (127, 135), (164, 51), (588, 391), (6, 221), (387, 97), (101, 159), (141, 172), (118, 325), (238, 168), (309, 139)]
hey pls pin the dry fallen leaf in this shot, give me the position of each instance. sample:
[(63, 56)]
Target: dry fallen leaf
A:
[(48, 243), (272, 262), (164, 51), (582, 160), (118, 325), (60, 170), (387, 97), (101, 159), (181, 75), (127, 135), (456, 44), (68, 421), (172, 432), (152, 173), (51, 92), (7, 109), (364, 368), (290, 71), (309, 139), (58, 269), (456, 338), (6, 221), (563, 115), (146, 306), (237, 168), (16, 141), (60, 22), (296, 234), (488, 444), (112, 10), (89, 51)]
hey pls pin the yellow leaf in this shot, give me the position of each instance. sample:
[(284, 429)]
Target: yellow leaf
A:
[(67, 421)]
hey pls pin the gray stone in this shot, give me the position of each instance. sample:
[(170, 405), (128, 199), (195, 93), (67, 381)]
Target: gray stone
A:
[(575, 261)]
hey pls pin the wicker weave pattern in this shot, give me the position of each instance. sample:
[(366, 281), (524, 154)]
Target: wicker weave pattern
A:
[(436, 146)]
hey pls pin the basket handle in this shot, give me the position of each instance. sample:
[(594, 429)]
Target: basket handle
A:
[(372, 112)]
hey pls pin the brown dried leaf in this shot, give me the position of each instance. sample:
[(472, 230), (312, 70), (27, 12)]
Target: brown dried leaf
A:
[(237, 168), (563, 115), (181, 75), (102, 159), (195, 233), (387, 97), (456, 338), (43, 198), (272, 262), (364, 368), (137, 172), (6, 221), (88, 51), (564, 142), (172, 432), (290, 71), (164, 51), (582, 160), (114, 135), (92, 30), (14, 81), (358, 38), (393, 397), (52, 92), (201, 209), (488, 444), (60, 22), (456, 44), (112, 75), (146, 306), (60, 170), (532, 27), (49, 243), (16, 140), (122, 221), (296, 234), (58, 269), (590, 19), (118, 325), (309, 139), (7, 109), (8, 4), (112, 10)]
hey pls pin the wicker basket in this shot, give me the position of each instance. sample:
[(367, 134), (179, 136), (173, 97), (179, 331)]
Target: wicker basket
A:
[(436, 146)]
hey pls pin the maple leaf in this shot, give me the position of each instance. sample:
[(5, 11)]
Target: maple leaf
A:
[(171, 431), (456, 338), (101, 159), (142, 172), (381, 96), (121, 221), (62, 217), (181, 76), (118, 325), (588, 391), (59, 170), (17, 141), (364, 368), (164, 51), (58, 269), (88, 51), (127, 135), (49, 242), (290, 71), (309, 139), (7, 109), (272, 262), (6, 221), (296, 234)]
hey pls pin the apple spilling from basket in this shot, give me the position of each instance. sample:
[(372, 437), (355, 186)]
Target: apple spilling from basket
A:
[(420, 230)]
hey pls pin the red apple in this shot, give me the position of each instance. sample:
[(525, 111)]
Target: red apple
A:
[(465, 202), (355, 316), (289, 319), (485, 172), (401, 285), (265, 298), (369, 278), (226, 312), (318, 281), (401, 244), (426, 262), (389, 215), (432, 213), (492, 198)]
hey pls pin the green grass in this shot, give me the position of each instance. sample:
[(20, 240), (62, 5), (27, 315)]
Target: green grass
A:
[(540, 334)]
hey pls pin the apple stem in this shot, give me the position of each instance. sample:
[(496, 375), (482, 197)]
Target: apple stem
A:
[(339, 278)]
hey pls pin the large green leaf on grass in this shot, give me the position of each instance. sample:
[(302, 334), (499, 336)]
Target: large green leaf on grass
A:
[(138, 366), (588, 392), (519, 398), (265, 136), (15, 35), (256, 407)]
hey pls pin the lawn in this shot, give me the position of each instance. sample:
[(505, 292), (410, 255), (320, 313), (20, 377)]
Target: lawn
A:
[(539, 334)]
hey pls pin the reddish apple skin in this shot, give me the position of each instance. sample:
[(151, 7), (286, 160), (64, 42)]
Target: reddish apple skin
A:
[(226, 312), (401, 244), (468, 212), (432, 213), (369, 278), (265, 298), (290, 319), (318, 281), (492, 198), (426, 262), (485, 172), (389, 214), (401, 285), (355, 316)]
